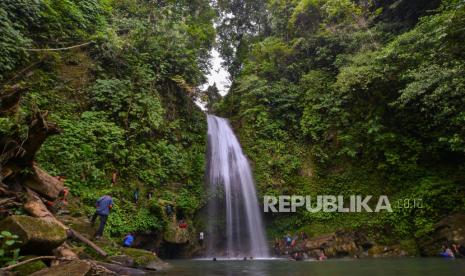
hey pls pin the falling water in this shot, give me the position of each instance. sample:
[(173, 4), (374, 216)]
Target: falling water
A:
[(235, 226)]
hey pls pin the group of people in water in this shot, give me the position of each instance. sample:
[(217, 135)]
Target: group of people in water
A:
[(454, 251)]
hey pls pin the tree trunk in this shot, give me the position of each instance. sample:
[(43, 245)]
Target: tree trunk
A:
[(37, 208), (39, 130), (9, 102), (43, 183)]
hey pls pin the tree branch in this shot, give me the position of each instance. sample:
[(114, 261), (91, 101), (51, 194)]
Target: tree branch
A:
[(60, 49), (28, 261)]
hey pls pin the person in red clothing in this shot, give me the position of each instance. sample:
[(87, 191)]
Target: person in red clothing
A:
[(60, 202), (182, 224)]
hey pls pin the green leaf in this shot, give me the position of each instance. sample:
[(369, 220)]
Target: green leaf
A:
[(6, 234), (10, 242)]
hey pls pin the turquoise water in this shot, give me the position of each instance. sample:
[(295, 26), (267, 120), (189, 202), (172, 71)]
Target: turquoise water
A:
[(401, 266)]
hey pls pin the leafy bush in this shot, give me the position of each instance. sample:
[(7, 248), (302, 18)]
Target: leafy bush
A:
[(9, 253)]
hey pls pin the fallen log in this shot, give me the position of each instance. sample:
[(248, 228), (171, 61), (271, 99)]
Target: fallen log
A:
[(83, 239), (6, 201), (5, 191), (37, 208), (43, 183)]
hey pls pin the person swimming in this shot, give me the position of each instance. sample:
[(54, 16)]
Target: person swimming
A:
[(446, 252), (322, 257)]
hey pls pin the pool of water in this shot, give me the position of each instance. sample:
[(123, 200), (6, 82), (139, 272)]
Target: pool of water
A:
[(362, 267)]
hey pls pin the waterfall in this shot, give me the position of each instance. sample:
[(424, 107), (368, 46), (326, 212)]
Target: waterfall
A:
[(235, 226)]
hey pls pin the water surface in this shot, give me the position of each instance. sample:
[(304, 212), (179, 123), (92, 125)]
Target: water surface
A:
[(401, 266)]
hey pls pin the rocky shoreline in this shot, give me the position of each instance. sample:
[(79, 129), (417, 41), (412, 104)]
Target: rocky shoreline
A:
[(53, 251), (356, 244)]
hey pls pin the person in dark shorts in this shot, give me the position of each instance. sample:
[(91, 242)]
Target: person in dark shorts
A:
[(103, 207)]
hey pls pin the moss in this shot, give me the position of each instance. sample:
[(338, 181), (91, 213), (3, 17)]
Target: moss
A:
[(377, 250), (29, 268), (35, 234), (174, 234), (40, 228), (141, 257), (410, 247), (75, 267)]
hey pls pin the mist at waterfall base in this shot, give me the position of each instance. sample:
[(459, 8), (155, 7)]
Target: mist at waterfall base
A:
[(234, 225)]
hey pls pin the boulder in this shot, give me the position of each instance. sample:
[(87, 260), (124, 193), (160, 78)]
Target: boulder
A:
[(123, 260), (141, 257), (145, 259), (379, 251), (338, 244), (36, 235), (157, 265), (75, 268), (122, 270), (320, 241), (449, 230)]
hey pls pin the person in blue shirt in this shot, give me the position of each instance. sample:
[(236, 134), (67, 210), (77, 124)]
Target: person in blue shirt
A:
[(128, 240), (288, 240), (103, 207)]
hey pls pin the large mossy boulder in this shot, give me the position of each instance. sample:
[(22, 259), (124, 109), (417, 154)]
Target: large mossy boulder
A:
[(123, 260), (145, 259), (36, 235), (339, 244), (75, 268), (140, 257)]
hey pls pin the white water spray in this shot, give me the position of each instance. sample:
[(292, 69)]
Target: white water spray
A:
[(233, 210)]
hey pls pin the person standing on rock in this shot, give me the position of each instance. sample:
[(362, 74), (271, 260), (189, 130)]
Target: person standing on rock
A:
[(103, 207), (201, 237)]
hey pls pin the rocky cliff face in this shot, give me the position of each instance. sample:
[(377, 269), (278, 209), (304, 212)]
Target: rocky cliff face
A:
[(448, 231)]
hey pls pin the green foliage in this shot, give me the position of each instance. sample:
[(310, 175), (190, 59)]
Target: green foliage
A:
[(125, 220), (9, 252), (331, 101), (44, 24), (237, 25), (124, 103), (136, 111), (86, 149)]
